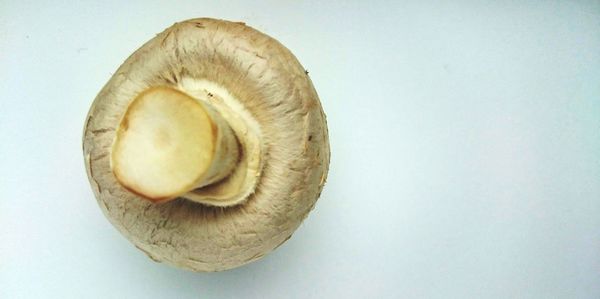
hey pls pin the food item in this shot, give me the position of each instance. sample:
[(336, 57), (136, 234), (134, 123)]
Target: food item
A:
[(208, 147)]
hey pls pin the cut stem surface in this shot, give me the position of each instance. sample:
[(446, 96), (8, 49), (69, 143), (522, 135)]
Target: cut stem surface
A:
[(169, 143)]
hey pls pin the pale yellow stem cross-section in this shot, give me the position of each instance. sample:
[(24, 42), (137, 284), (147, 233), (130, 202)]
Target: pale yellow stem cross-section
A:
[(169, 143)]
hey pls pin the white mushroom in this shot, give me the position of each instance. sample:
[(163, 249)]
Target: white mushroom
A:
[(208, 147)]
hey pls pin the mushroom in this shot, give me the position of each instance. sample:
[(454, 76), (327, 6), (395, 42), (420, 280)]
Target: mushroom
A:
[(208, 146)]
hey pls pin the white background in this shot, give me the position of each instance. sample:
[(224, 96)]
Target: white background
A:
[(465, 151)]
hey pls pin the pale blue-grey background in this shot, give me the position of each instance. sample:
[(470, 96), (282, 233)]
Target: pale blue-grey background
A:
[(465, 143)]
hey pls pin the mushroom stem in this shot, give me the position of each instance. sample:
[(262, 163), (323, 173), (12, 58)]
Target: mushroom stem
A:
[(169, 143)]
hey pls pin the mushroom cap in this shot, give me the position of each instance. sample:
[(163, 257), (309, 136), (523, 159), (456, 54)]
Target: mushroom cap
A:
[(261, 89)]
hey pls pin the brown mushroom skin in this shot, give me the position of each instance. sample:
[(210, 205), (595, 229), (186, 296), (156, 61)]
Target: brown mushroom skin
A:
[(274, 88)]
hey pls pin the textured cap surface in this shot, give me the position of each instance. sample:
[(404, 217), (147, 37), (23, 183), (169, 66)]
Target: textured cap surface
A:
[(255, 81)]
